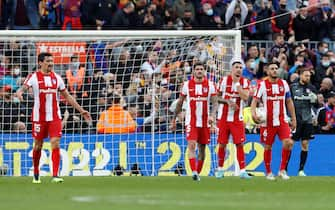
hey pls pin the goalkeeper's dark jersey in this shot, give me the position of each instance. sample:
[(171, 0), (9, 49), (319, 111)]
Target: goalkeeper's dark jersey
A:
[(303, 101)]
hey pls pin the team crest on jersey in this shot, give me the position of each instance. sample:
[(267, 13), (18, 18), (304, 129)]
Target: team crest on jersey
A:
[(281, 88), (205, 90), (53, 81)]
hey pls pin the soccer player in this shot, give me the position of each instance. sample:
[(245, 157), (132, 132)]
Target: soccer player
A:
[(275, 95), (304, 97), (198, 92), (233, 90), (46, 116)]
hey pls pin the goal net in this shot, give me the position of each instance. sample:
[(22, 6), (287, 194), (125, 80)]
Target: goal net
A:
[(145, 68)]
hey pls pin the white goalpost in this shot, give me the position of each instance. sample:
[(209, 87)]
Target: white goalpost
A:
[(146, 68)]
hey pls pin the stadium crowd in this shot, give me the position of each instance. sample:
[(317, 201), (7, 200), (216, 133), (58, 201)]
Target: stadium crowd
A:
[(146, 78)]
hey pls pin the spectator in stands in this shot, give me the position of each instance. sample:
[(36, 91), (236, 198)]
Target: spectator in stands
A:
[(187, 21), (279, 46), (303, 25), (324, 21), (263, 28), (75, 77), (12, 78), (179, 7), (121, 19), (22, 14), (236, 14), (207, 17), (98, 14), (150, 66), (115, 119), (151, 19), (10, 109), (326, 87), (322, 48), (323, 70), (122, 68), (72, 15), (51, 14), (283, 23), (326, 116)]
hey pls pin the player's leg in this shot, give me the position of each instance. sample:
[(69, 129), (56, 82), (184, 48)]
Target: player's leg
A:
[(37, 150), (307, 132), (191, 145), (55, 132), (201, 156), (39, 132), (238, 133), (222, 143), (284, 134), (267, 138), (296, 136)]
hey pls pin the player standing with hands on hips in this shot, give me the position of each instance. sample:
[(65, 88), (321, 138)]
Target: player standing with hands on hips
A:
[(275, 94), (233, 90), (198, 92), (46, 116)]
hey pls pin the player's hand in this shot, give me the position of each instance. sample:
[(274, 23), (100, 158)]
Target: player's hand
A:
[(293, 124), (256, 118), (232, 104), (87, 116)]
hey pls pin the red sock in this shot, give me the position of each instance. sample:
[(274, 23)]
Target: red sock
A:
[(267, 160), (221, 156), (240, 156), (285, 153), (193, 164), (200, 163), (55, 161), (36, 161)]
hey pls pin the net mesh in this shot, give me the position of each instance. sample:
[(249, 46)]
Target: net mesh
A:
[(147, 72)]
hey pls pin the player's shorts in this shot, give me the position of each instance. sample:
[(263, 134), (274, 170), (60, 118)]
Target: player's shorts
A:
[(236, 129), (304, 131), (268, 134), (42, 130), (201, 135)]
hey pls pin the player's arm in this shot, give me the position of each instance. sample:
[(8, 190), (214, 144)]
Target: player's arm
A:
[(214, 101), (291, 110), (20, 91), (75, 104), (179, 107), (253, 107), (244, 93)]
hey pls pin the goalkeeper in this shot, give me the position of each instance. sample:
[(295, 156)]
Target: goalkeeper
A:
[(303, 94), (46, 86)]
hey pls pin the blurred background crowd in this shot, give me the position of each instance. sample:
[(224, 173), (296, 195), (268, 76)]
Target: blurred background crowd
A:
[(142, 79)]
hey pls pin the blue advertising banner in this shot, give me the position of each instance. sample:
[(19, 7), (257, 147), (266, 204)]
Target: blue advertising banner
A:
[(97, 155)]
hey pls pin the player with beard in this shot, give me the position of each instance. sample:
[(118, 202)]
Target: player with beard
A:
[(46, 116), (275, 94), (198, 92), (233, 91), (304, 97)]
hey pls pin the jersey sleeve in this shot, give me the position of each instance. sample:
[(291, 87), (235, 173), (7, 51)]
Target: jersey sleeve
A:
[(28, 81), (260, 90), (287, 90), (212, 89), (184, 89), (61, 84)]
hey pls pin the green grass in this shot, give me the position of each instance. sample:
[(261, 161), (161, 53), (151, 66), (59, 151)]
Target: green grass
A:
[(96, 193)]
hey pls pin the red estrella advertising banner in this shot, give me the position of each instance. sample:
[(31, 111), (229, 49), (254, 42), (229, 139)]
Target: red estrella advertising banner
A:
[(62, 51)]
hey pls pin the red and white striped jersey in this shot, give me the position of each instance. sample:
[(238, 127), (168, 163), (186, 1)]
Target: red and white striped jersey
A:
[(273, 97), (198, 101), (46, 95), (229, 92)]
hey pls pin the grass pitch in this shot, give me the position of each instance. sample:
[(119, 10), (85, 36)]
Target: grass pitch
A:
[(137, 193)]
